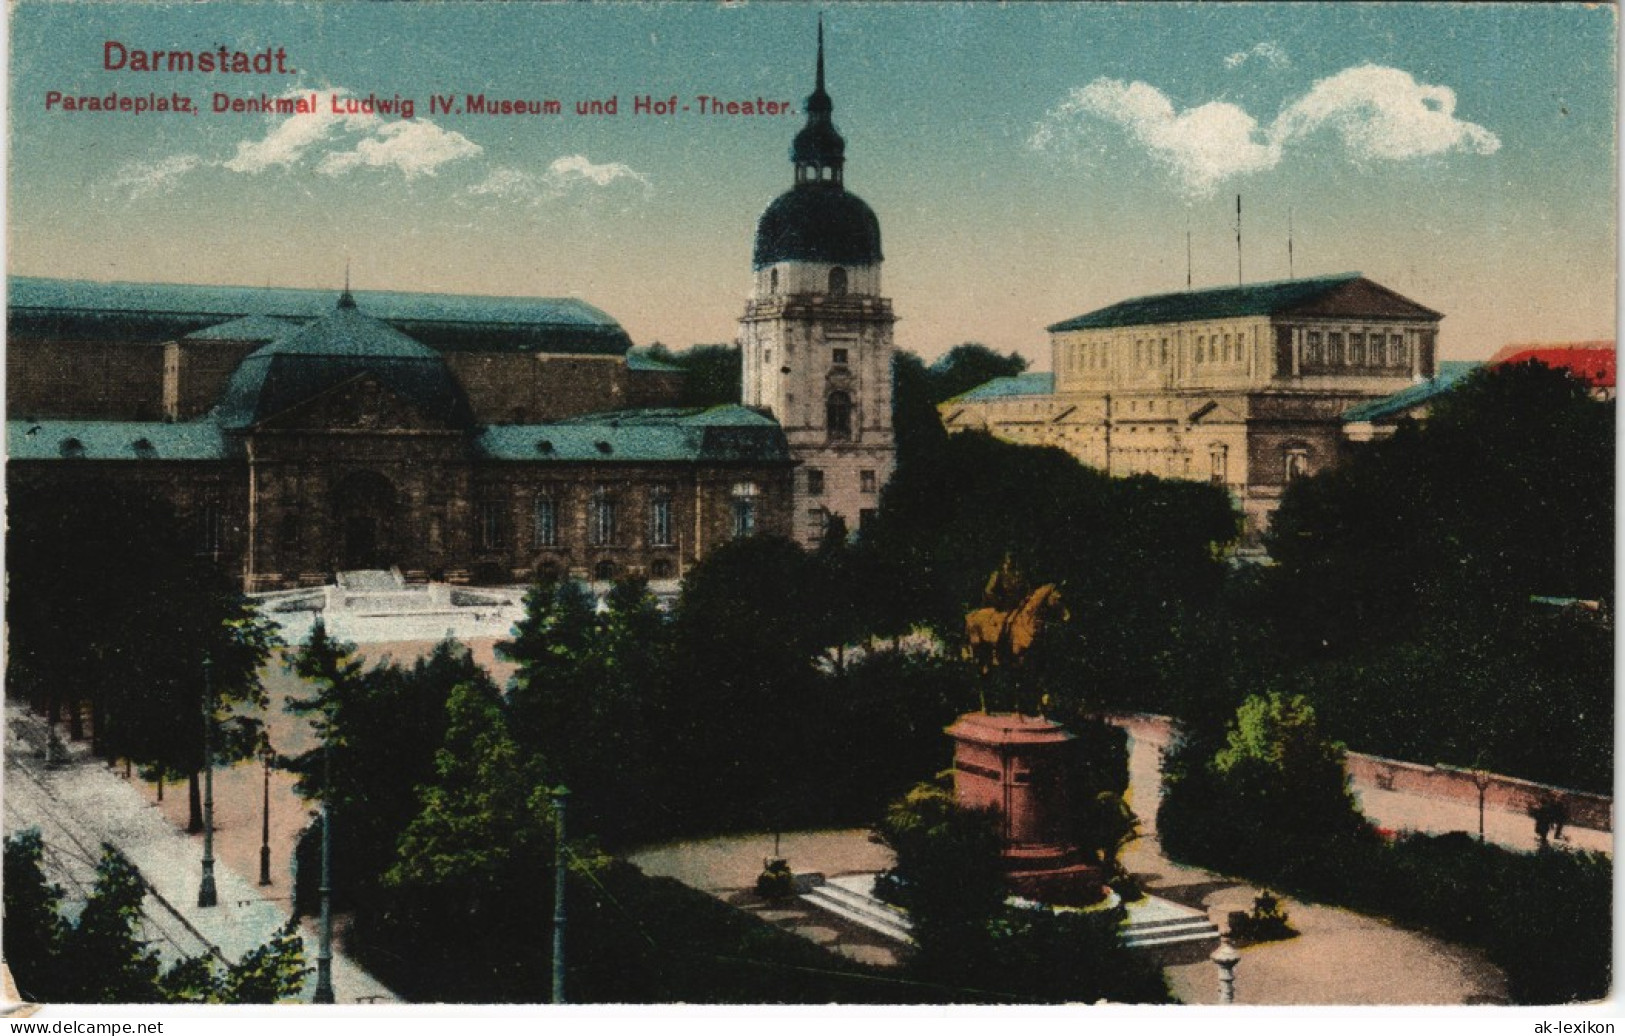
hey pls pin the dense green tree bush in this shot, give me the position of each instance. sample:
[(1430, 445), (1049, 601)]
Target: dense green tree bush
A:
[(99, 957), (950, 879), (112, 607)]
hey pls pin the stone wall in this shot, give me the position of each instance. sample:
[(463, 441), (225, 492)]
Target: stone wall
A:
[(1511, 794)]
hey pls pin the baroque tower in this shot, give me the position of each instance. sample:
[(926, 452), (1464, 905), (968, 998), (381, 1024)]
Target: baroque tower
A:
[(816, 337)]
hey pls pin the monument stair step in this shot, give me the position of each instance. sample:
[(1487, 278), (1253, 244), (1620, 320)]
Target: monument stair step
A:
[(861, 909)]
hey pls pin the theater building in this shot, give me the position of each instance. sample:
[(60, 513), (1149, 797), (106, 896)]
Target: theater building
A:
[(1244, 387)]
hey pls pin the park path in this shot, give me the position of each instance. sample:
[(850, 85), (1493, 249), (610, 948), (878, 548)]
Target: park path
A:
[(1338, 958)]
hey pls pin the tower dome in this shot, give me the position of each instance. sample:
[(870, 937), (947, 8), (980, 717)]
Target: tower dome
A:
[(818, 220), (343, 345)]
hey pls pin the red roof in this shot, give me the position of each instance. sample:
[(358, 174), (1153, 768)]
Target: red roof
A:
[(1593, 361)]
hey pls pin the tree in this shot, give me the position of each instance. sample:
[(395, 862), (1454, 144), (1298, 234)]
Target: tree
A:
[(1506, 491), (34, 930), (966, 366), (382, 728), (472, 874), (950, 879), (99, 958), (743, 679), (711, 373), (108, 582), (1407, 597)]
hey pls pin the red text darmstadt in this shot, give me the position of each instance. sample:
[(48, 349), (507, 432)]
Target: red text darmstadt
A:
[(116, 57)]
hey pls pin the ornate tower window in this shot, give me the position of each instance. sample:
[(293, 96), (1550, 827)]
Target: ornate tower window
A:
[(838, 416), (773, 282), (837, 281)]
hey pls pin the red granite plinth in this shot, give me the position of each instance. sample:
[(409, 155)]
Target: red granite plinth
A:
[(1015, 766)]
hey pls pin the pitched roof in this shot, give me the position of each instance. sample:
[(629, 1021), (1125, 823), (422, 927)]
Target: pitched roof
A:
[(1450, 372), (253, 328), (720, 434), (162, 312), (325, 353), (1262, 299), (1593, 361), (114, 440), (1033, 383)]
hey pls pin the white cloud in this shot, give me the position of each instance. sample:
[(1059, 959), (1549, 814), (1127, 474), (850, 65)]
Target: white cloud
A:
[(414, 147), (1268, 52), (1376, 114), (1384, 113), (138, 179), (573, 168), (1201, 146), (561, 176)]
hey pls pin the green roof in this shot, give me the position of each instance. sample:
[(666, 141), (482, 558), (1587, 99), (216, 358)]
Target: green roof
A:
[(163, 312), (1209, 304), (1450, 372), (1033, 383), (113, 440), (637, 360), (255, 328), (341, 346), (715, 435)]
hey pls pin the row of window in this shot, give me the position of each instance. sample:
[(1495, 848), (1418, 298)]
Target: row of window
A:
[(1223, 347), (867, 482), (837, 281), (605, 518), (1355, 349)]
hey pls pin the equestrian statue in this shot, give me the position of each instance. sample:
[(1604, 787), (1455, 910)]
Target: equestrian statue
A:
[(1011, 619)]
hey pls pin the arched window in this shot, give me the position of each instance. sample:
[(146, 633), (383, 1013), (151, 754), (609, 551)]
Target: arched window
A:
[(1218, 456), (1296, 462), (837, 281), (838, 416), (773, 282), (604, 571)]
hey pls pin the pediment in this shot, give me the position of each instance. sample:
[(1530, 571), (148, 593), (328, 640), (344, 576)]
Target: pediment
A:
[(363, 403), (1361, 298), (1214, 411)]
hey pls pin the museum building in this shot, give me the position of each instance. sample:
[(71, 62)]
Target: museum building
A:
[(300, 433), (526, 441), (1244, 387)]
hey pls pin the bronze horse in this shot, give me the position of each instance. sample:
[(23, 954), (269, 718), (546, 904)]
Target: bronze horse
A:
[(994, 637)]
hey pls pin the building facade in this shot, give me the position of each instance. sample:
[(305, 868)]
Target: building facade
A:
[(1243, 387), (296, 446), (816, 337)]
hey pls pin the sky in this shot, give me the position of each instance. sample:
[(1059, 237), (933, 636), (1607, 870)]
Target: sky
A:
[(1028, 163)]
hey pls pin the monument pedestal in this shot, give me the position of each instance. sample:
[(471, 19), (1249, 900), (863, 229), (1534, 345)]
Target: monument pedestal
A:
[(1016, 766)]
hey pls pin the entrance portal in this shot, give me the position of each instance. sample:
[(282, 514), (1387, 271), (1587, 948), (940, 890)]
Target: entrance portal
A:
[(365, 503)]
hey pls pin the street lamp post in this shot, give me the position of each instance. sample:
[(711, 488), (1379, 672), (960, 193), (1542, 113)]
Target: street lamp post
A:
[(266, 755), (206, 894), (558, 796), (1226, 957), (324, 952)]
